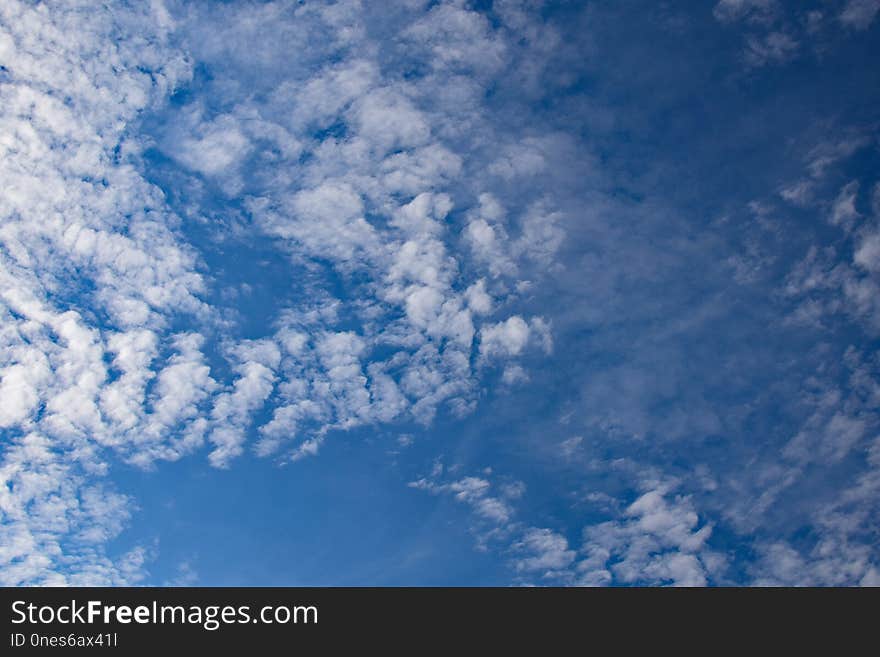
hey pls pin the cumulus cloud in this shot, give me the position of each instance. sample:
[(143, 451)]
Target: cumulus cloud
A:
[(507, 338), (545, 552), (657, 541), (369, 195), (346, 162), (83, 236), (418, 219)]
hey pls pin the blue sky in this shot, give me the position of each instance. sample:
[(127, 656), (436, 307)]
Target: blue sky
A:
[(426, 293)]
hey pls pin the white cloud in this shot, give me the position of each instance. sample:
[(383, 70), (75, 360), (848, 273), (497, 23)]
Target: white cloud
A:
[(328, 221), (456, 39), (387, 120), (754, 10), (349, 166), (772, 48), (799, 193), (83, 235), (231, 413), (520, 160), (657, 541), (859, 14), (843, 211), (218, 149), (569, 447), (507, 338), (55, 524), (867, 255), (476, 493), (826, 439), (546, 552), (513, 375), (478, 300)]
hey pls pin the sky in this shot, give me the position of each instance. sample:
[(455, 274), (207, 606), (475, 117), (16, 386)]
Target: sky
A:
[(495, 293)]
